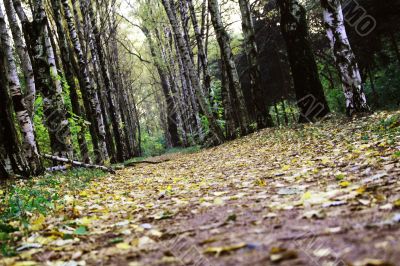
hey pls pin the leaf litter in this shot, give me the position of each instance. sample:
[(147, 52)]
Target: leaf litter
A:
[(308, 195)]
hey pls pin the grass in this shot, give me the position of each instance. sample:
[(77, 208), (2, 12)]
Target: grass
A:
[(22, 199)]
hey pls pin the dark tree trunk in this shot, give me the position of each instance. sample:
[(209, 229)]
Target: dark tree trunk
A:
[(227, 104), (232, 74), (263, 118), (309, 92)]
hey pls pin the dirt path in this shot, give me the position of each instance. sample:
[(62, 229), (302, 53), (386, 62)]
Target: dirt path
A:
[(326, 194)]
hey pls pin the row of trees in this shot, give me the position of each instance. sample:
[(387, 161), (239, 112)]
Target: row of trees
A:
[(66, 62), (178, 33), (75, 66)]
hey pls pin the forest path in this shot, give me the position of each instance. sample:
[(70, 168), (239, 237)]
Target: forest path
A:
[(320, 194)]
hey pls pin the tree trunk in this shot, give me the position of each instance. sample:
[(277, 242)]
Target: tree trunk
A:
[(202, 58), (12, 160), (49, 84), (309, 92), (215, 129), (30, 148), (96, 76), (231, 70), (344, 57), (89, 93), (110, 89), (70, 78), (227, 104), (172, 120), (24, 57), (263, 117)]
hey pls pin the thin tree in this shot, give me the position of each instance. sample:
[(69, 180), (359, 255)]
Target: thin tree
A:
[(70, 78), (215, 128), (109, 87), (92, 98), (230, 66)]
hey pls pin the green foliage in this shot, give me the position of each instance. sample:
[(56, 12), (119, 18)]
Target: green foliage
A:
[(153, 145), (23, 199), (387, 87), (42, 135)]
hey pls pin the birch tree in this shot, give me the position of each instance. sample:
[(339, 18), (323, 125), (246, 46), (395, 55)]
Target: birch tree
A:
[(114, 111), (215, 128), (92, 99), (70, 78), (11, 159), (23, 54), (30, 148), (230, 65), (344, 57)]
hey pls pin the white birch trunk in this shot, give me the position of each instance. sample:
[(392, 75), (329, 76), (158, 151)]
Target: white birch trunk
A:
[(344, 57), (23, 54), (92, 95), (23, 117)]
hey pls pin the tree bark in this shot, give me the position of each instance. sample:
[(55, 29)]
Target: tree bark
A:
[(89, 93), (215, 129), (47, 81), (110, 89), (30, 148), (309, 92), (12, 160), (24, 57), (227, 104), (344, 57), (263, 118), (70, 78), (231, 70), (202, 58)]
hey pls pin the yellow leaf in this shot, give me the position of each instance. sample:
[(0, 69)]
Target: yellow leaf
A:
[(344, 184), (85, 221), (396, 203), (306, 196), (360, 190), (123, 245), (25, 263), (37, 224), (218, 201), (83, 194), (219, 250)]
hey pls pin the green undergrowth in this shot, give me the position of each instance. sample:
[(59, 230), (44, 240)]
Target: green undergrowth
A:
[(22, 199)]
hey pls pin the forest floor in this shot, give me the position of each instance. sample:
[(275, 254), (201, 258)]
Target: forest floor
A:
[(321, 194)]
